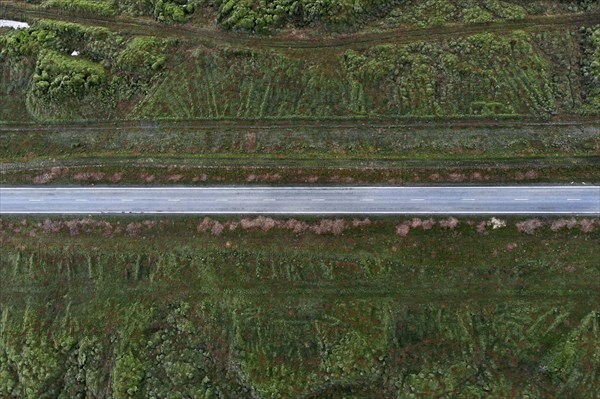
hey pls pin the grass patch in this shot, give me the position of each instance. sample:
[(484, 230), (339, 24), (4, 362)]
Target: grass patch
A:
[(368, 140), (97, 7), (299, 153), (484, 74), (158, 306)]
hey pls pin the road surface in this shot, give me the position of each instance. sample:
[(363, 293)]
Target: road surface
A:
[(521, 200)]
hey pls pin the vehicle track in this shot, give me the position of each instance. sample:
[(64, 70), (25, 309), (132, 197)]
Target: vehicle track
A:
[(267, 124), (147, 26)]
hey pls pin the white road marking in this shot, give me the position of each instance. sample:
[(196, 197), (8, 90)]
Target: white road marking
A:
[(317, 188), (62, 212), (174, 200), (80, 200), (334, 196), (468, 199), (367, 199), (269, 200)]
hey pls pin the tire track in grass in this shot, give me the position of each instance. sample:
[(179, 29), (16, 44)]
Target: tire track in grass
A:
[(147, 26)]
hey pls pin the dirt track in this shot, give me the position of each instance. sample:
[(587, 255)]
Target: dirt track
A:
[(147, 26)]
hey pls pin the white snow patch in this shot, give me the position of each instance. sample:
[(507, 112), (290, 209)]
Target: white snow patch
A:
[(4, 23)]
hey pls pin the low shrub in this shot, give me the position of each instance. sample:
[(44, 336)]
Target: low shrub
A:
[(57, 76), (96, 7)]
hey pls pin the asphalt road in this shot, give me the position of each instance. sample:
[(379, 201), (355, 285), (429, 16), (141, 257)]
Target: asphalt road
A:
[(523, 200)]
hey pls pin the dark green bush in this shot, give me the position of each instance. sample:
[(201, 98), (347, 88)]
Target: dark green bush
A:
[(98, 7), (591, 67), (163, 10), (143, 56), (58, 76), (264, 15)]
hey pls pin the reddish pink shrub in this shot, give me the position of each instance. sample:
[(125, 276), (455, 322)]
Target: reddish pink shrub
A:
[(175, 178), (133, 229), (116, 177), (267, 177), (531, 174), (150, 224), (476, 176), (108, 230), (450, 223), (232, 225), (511, 246), (529, 226), (205, 225), (402, 230), (587, 225), (361, 223), (47, 177), (217, 228), (415, 223), (265, 223), (296, 226), (456, 177), (247, 224), (74, 227), (482, 227), (89, 176), (148, 178), (563, 223), (326, 226), (428, 224), (202, 177), (50, 226)]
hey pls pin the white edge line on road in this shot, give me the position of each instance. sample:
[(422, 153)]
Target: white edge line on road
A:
[(305, 213), (306, 188)]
